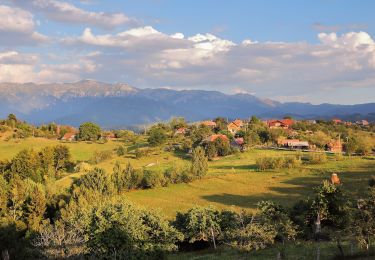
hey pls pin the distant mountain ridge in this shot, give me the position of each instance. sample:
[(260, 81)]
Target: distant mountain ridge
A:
[(119, 105)]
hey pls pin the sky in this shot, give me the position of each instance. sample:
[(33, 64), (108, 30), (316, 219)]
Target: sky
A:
[(290, 51)]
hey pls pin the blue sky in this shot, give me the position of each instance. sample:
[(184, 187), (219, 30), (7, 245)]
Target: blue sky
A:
[(307, 51)]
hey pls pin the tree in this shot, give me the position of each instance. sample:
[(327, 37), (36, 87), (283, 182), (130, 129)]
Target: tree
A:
[(157, 136), (199, 164), (26, 164), (211, 150), (120, 230), (277, 217), (222, 147), (253, 237), (36, 207), (89, 131), (199, 224), (61, 156), (177, 122), (363, 221)]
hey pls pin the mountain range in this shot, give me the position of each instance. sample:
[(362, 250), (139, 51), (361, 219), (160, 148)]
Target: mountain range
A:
[(120, 105)]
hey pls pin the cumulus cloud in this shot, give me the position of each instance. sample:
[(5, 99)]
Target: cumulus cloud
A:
[(17, 27), (68, 13), (278, 70)]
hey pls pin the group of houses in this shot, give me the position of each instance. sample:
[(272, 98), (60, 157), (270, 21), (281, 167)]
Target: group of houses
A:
[(362, 122), (286, 124)]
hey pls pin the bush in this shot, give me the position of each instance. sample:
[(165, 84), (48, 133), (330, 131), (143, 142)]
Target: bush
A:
[(121, 150), (100, 156), (316, 158), (83, 167), (153, 179), (273, 163)]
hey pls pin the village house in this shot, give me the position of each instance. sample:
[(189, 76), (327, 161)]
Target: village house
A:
[(212, 138), (293, 143), (69, 137), (334, 146), (283, 123), (336, 121), (238, 143), (235, 126), (180, 131), (362, 122), (208, 123), (108, 136)]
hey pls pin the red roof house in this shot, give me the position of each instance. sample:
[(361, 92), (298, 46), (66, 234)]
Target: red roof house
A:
[(69, 137)]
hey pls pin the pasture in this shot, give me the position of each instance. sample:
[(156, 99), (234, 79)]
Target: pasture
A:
[(232, 182)]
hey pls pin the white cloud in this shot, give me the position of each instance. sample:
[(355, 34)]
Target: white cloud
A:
[(66, 12), (17, 27)]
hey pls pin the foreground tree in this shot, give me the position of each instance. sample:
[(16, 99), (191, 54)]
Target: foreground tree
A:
[(199, 224)]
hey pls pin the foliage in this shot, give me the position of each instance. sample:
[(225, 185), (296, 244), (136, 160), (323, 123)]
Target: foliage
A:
[(272, 163), (157, 136), (101, 156), (120, 230), (199, 224), (199, 164), (89, 131)]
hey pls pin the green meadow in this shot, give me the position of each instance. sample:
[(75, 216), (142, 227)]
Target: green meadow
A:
[(232, 182)]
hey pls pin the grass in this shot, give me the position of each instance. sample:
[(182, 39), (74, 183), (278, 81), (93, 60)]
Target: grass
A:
[(232, 182), (235, 183)]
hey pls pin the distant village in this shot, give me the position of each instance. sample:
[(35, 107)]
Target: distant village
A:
[(237, 141)]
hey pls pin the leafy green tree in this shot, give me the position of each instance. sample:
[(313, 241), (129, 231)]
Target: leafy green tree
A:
[(363, 221), (61, 156), (199, 224), (253, 237), (222, 147), (211, 150), (177, 122), (199, 164), (277, 217), (36, 207), (26, 164), (47, 161), (157, 136), (89, 131), (119, 230)]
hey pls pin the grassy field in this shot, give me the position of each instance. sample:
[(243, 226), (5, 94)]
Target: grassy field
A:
[(232, 182)]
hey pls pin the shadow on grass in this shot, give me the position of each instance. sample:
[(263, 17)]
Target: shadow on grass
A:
[(354, 183)]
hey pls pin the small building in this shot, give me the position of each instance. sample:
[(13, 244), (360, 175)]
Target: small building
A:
[(69, 137), (108, 136), (212, 138), (208, 123), (334, 146), (336, 121), (238, 143), (293, 143), (235, 126), (180, 131), (283, 124), (363, 123)]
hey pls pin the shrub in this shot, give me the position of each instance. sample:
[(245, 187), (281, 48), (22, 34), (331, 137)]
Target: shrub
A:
[(273, 163), (121, 150), (316, 158), (153, 179), (100, 156), (83, 167)]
